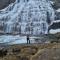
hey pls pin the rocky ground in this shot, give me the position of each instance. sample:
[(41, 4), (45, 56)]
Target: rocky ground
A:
[(49, 51)]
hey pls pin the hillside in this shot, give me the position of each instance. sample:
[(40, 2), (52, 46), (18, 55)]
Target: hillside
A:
[(31, 52)]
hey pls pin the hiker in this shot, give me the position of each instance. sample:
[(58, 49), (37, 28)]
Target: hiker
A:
[(28, 40)]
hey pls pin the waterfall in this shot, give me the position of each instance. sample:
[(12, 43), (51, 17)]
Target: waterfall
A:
[(27, 17)]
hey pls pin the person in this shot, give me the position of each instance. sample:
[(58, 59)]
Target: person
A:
[(28, 40)]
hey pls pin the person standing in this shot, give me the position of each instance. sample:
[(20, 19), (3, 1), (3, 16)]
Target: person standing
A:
[(28, 39)]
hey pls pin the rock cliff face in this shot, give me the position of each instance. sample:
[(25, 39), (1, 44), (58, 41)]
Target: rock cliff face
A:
[(56, 4), (4, 3)]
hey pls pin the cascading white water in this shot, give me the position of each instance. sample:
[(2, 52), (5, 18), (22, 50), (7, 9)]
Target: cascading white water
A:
[(27, 17)]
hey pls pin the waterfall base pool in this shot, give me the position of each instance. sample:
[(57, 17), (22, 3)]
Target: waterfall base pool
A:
[(10, 39)]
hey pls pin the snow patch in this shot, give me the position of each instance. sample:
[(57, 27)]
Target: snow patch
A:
[(58, 10), (54, 31)]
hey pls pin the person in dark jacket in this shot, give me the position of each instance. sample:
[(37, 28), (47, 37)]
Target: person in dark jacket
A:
[(28, 40)]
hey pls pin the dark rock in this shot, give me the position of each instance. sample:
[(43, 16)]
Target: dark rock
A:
[(57, 16), (56, 4), (55, 25), (16, 50), (24, 58), (3, 52), (4, 3)]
